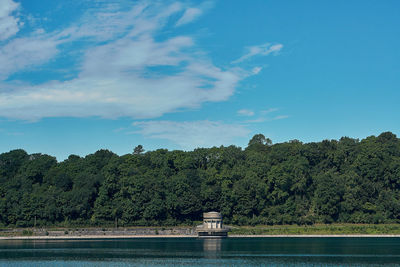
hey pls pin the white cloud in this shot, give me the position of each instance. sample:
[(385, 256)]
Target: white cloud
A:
[(20, 53), (258, 120), (124, 70), (265, 115), (245, 112), (259, 50), (256, 70), (280, 117), (189, 15), (9, 25), (269, 110), (190, 135), (192, 13)]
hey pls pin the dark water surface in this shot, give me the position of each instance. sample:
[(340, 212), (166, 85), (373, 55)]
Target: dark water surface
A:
[(283, 251)]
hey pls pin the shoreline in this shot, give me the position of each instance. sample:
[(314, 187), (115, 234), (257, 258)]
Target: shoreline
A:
[(71, 237), (102, 237)]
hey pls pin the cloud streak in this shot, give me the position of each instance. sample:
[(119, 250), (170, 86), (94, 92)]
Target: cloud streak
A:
[(245, 112), (259, 50), (265, 115), (189, 15), (190, 135), (22, 53), (192, 13)]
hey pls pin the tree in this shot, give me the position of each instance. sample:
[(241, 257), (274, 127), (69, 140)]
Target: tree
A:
[(138, 150), (260, 140)]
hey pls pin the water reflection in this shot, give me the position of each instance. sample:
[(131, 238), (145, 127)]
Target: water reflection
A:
[(212, 247)]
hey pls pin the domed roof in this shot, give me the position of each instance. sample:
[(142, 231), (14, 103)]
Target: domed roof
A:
[(212, 215)]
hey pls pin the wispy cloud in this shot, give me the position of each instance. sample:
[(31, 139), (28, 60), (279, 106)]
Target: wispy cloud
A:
[(270, 110), (10, 133), (256, 70), (189, 15), (120, 129), (192, 13), (118, 68), (9, 25), (21, 53), (258, 120), (259, 50), (265, 115), (280, 117), (190, 135), (245, 112)]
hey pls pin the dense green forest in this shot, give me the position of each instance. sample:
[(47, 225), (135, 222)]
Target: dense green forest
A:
[(344, 180)]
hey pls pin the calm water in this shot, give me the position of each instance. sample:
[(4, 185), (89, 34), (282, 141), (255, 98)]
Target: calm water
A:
[(198, 252)]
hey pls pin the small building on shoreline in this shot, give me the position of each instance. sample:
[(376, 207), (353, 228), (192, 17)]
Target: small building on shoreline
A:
[(212, 226)]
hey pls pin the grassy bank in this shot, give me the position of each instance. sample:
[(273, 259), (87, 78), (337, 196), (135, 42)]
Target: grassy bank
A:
[(96, 231), (318, 229)]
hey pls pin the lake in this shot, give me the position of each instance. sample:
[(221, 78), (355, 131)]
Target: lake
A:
[(276, 251)]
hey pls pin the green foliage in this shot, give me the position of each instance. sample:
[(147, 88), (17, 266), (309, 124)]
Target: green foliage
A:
[(344, 181), (26, 232), (318, 229)]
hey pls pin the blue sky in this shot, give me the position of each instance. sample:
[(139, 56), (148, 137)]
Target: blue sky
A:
[(78, 76)]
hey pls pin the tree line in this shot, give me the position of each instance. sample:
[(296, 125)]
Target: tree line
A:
[(344, 180)]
